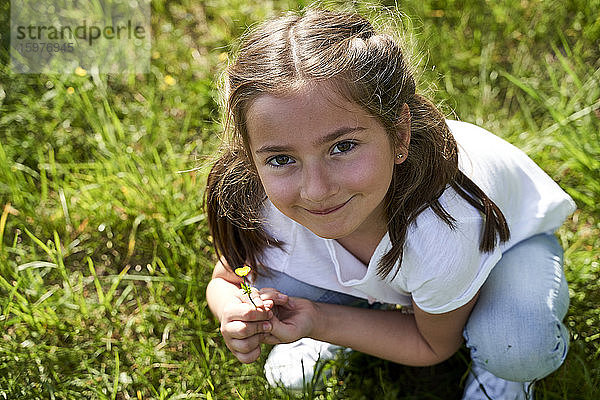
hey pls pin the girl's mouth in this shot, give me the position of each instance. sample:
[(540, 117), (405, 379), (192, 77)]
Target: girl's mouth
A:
[(326, 211)]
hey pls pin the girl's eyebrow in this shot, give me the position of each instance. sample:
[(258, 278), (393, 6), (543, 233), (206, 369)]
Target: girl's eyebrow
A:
[(330, 137)]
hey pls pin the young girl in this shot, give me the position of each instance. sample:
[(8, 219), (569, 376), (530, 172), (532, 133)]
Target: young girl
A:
[(349, 194)]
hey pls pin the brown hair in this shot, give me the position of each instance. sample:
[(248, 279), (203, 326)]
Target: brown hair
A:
[(343, 49)]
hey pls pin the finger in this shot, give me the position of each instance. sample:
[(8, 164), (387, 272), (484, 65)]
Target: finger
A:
[(269, 338), (246, 351), (284, 330), (249, 349), (276, 296), (268, 304), (244, 330), (244, 346), (252, 298), (248, 358), (281, 332), (245, 312)]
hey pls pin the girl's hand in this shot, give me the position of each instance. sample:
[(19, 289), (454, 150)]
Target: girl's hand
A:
[(293, 319), (244, 325)]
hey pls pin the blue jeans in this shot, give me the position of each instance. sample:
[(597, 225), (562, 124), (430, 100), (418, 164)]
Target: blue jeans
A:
[(515, 330)]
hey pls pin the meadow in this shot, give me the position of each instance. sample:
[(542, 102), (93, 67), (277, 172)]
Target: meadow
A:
[(104, 249)]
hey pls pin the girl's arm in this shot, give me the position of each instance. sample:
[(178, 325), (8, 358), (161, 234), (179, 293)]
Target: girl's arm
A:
[(243, 325), (419, 340)]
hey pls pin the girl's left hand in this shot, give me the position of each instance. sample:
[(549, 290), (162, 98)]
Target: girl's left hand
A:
[(293, 319)]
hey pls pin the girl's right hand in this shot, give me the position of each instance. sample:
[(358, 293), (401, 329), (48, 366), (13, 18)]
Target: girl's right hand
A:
[(244, 325)]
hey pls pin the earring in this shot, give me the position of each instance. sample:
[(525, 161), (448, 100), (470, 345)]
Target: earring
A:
[(399, 156)]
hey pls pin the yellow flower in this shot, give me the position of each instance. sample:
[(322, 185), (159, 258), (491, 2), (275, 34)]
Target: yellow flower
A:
[(80, 71), (169, 80), (70, 90), (243, 271)]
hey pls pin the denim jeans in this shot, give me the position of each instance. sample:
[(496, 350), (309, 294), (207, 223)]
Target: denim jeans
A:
[(515, 330)]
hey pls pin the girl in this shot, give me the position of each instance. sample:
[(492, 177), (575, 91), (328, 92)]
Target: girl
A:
[(348, 192)]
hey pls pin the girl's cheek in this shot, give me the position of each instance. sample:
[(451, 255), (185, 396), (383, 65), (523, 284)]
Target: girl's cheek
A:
[(368, 171), (279, 189)]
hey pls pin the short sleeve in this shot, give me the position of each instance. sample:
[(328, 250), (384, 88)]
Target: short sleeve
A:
[(442, 267)]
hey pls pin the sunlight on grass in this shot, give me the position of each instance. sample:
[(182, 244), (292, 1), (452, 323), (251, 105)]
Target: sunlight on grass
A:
[(104, 250)]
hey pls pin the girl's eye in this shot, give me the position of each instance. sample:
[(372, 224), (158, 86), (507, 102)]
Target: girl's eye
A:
[(343, 147), (279, 161)]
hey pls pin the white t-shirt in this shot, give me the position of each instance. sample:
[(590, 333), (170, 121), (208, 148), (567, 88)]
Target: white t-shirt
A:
[(442, 268)]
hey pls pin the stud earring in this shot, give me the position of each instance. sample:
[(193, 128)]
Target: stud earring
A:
[(399, 156)]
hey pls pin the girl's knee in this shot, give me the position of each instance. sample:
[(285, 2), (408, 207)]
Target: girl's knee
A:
[(520, 357)]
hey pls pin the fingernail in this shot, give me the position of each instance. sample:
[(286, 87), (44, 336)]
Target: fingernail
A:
[(281, 296), (266, 326)]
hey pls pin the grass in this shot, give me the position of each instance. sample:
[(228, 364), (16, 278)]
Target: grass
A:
[(104, 250)]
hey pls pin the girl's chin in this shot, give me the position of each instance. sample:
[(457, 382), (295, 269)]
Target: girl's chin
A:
[(333, 232)]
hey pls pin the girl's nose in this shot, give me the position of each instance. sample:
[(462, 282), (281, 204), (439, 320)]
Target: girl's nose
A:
[(317, 184)]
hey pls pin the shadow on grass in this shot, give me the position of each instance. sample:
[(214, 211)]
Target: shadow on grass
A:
[(357, 376), (375, 378)]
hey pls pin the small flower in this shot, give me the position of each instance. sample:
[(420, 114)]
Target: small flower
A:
[(80, 71), (169, 80), (70, 90), (243, 273)]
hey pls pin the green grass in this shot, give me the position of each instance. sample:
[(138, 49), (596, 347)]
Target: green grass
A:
[(104, 250)]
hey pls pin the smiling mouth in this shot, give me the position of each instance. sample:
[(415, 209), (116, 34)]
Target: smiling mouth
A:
[(328, 210)]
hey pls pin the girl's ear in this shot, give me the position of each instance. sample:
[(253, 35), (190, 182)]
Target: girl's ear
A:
[(403, 135)]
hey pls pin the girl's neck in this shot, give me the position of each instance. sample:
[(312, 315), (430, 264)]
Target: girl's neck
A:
[(362, 242), (361, 248)]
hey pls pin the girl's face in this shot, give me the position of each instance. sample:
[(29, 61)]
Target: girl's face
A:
[(324, 162)]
